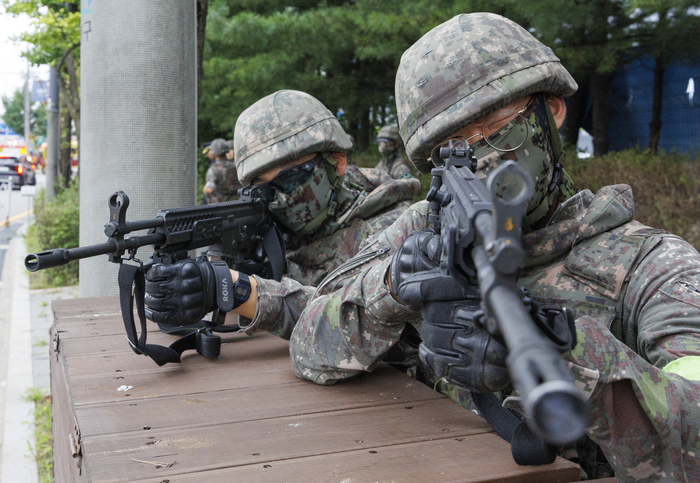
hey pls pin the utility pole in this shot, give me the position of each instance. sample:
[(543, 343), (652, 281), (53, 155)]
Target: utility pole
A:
[(53, 137), (27, 112)]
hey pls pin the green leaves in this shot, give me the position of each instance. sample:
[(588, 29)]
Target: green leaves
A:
[(14, 114), (56, 28)]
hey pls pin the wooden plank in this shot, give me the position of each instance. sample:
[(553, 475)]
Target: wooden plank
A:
[(478, 458), (238, 349), (254, 442), (246, 417), (65, 467), (250, 404), (88, 304)]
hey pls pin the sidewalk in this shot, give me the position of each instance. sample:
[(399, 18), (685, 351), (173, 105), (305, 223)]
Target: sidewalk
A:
[(25, 319)]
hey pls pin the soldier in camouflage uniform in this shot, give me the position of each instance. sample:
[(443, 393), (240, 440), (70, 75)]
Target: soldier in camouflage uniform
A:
[(296, 150), (390, 147), (221, 180), (635, 289)]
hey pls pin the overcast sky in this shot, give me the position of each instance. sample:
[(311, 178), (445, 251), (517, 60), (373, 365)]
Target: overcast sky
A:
[(13, 67)]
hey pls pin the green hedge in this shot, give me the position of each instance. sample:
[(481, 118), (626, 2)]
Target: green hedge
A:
[(666, 187), (55, 226)]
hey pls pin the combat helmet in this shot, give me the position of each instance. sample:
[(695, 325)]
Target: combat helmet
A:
[(218, 147), (391, 133), (282, 127), (465, 68)]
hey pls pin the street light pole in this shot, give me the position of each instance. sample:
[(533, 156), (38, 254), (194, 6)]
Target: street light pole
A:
[(53, 134), (27, 112)]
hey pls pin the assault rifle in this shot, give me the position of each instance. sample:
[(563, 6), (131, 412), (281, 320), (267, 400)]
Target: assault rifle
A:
[(480, 232), (240, 232)]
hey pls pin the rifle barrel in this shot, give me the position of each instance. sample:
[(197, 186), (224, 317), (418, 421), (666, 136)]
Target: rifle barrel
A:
[(61, 256)]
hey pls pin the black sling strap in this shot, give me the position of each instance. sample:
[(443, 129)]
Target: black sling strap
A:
[(527, 448), (203, 340)]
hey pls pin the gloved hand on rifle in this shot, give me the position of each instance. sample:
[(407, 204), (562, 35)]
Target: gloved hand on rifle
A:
[(456, 343), (182, 293)]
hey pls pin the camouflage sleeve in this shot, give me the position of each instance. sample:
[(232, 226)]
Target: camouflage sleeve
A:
[(349, 327), (399, 168), (646, 421), (278, 307), (663, 298), (210, 178)]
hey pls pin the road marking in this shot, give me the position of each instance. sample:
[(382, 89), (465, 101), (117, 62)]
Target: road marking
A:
[(4, 247), (21, 215)]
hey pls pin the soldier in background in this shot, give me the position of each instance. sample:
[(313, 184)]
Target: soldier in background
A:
[(390, 147), (221, 181), (230, 154)]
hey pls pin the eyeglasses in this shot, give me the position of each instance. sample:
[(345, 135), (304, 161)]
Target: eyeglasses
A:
[(291, 178), (504, 130)]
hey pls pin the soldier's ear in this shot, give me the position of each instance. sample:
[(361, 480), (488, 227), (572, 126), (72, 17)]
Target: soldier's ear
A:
[(341, 162), (558, 108)]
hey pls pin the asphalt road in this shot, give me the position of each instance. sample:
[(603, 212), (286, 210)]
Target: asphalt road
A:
[(14, 210)]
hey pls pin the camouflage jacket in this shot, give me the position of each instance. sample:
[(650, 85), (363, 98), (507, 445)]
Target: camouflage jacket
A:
[(394, 165), (637, 294), (379, 203), (222, 178)]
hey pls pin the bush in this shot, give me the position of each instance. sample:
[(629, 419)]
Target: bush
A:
[(666, 187), (55, 226)]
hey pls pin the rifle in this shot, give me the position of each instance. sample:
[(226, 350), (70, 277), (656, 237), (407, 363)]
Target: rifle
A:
[(480, 238), (240, 232)]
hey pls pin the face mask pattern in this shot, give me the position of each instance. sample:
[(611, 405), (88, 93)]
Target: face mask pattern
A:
[(535, 155), (305, 207), (386, 149)]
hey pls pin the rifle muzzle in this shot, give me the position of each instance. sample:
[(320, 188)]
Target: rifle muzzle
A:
[(47, 259)]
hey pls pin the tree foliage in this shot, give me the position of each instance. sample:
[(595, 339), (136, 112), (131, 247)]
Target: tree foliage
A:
[(14, 114), (55, 40), (344, 53)]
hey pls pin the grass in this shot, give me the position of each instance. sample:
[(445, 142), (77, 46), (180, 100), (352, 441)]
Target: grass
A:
[(666, 187), (42, 433)]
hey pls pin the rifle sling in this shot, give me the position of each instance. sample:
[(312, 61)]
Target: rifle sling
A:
[(527, 448), (132, 286)]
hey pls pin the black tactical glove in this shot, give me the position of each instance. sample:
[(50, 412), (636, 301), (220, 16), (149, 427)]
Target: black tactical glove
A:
[(184, 292), (457, 346), (414, 272)]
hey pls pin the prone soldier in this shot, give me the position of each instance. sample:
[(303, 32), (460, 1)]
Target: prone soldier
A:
[(483, 79)]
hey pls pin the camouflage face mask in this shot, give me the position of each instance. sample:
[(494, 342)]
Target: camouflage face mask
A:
[(534, 155), (386, 147), (302, 206)]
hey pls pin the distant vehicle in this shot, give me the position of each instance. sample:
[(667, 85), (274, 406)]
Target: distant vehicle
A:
[(11, 167)]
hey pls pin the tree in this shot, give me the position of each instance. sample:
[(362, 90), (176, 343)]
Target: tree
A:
[(345, 53), (14, 114), (593, 39), (54, 41)]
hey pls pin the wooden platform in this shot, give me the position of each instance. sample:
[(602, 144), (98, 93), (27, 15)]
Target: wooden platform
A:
[(245, 417)]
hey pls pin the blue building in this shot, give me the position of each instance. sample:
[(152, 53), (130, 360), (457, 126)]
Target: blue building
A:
[(631, 98)]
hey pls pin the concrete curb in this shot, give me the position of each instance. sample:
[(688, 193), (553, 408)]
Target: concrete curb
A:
[(18, 462)]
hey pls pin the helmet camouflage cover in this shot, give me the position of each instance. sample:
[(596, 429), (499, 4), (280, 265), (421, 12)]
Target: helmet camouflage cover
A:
[(282, 127), (465, 68), (218, 147), (390, 132)]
